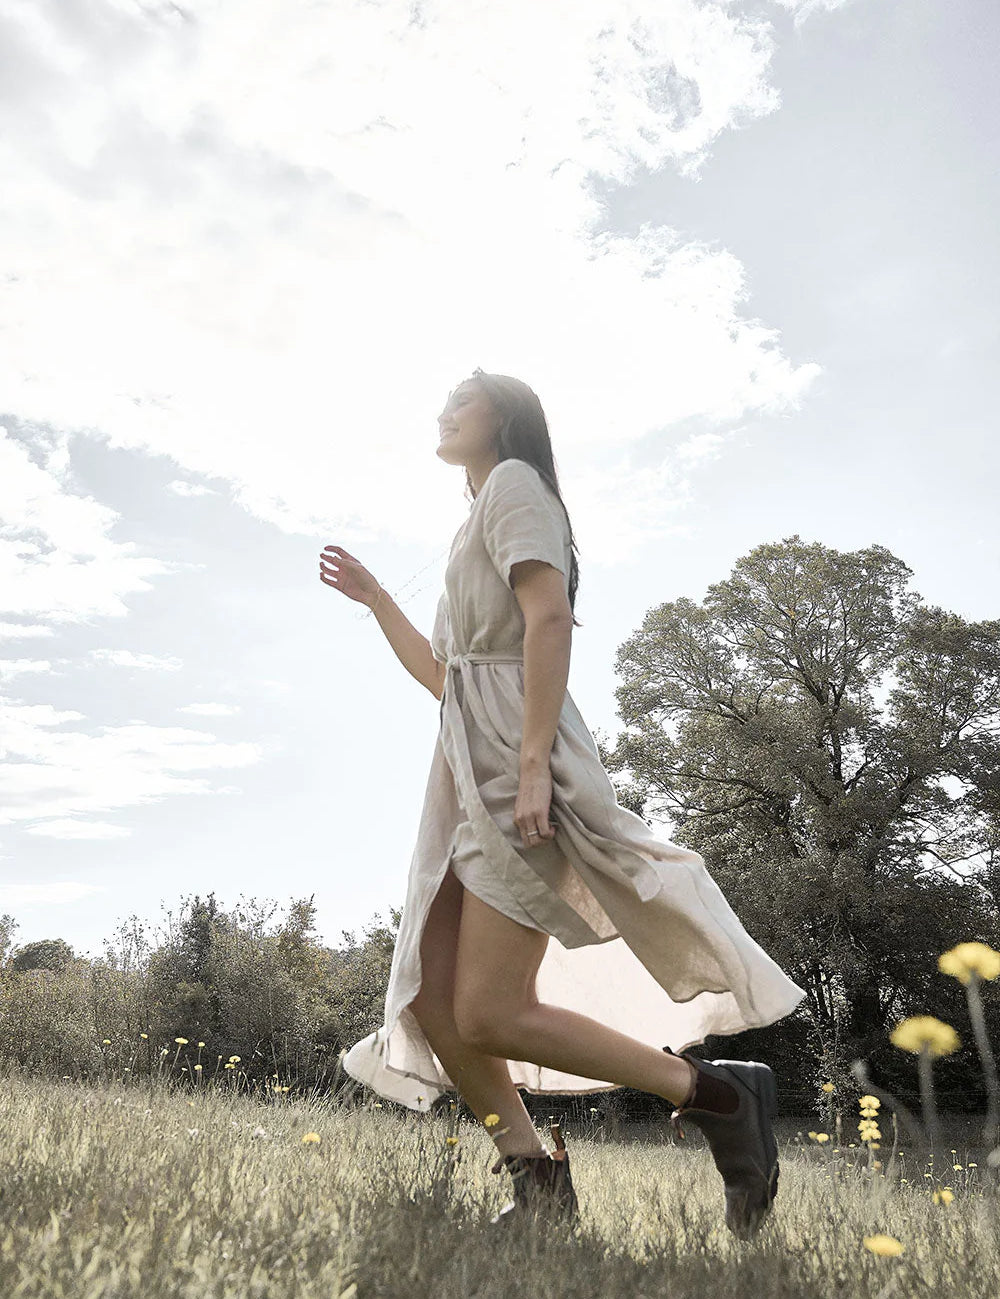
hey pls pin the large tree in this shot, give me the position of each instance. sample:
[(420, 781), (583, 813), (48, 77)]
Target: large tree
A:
[(829, 744)]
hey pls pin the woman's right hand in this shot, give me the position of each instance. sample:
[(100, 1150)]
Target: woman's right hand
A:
[(338, 568)]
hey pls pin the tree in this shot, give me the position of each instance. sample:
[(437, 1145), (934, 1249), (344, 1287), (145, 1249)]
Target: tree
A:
[(838, 828), (45, 954)]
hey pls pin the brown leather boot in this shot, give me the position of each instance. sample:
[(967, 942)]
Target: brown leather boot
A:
[(542, 1183)]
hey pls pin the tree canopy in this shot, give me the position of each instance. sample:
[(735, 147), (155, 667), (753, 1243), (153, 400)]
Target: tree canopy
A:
[(829, 744)]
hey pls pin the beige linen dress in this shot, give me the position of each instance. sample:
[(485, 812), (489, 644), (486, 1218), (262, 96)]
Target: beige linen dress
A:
[(646, 941)]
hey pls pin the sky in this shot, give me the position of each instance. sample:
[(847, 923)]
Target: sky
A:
[(745, 253)]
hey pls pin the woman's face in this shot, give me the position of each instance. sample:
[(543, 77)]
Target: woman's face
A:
[(468, 426)]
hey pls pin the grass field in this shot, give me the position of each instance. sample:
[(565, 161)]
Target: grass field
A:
[(108, 1192)]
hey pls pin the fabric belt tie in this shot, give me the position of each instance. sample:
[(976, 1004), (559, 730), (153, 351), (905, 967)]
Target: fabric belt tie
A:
[(454, 741), (493, 843)]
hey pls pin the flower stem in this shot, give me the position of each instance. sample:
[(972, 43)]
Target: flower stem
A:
[(991, 1129), (927, 1106)]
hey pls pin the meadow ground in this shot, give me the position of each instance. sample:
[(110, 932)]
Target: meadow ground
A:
[(109, 1192)]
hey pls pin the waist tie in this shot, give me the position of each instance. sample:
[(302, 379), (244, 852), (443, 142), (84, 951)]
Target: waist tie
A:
[(454, 741), (535, 897)]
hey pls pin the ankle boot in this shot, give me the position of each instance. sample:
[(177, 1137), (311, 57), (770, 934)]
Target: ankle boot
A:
[(733, 1102), (542, 1183)]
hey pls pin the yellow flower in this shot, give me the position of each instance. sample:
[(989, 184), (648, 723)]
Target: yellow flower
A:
[(198, 1066), (970, 958), (869, 1102), (957, 1168), (876, 1164), (869, 1113), (944, 1196), (921, 1031), (310, 1137), (821, 1136), (234, 1059), (886, 1246), (827, 1087), (491, 1120), (182, 1041), (144, 1035), (107, 1041), (451, 1141), (201, 1043)]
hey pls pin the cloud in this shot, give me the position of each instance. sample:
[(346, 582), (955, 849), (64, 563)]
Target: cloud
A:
[(55, 893), (18, 631), (209, 710), (53, 773), (267, 240), (68, 828), (181, 488), (802, 10), (14, 667), (129, 659), (57, 558)]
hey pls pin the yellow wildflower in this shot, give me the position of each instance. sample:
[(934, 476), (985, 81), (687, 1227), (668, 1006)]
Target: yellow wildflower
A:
[(144, 1035), (822, 1136), (921, 1031), (827, 1087), (310, 1138), (107, 1041), (182, 1041), (234, 1059), (970, 958), (869, 1102), (491, 1120), (451, 1141), (201, 1043), (957, 1168), (886, 1246), (944, 1195), (198, 1066)]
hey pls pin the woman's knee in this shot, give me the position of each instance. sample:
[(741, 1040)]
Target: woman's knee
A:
[(483, 1022)]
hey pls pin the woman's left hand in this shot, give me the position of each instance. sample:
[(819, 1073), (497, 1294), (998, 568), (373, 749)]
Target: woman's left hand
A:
[(531, 808)]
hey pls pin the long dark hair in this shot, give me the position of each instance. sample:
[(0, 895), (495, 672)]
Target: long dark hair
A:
[(524, 435)]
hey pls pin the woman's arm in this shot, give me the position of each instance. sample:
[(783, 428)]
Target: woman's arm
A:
[(340, 569), (548, 633), (411, 647)]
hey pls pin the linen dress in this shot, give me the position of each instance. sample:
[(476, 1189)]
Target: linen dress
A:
[(645, 941)]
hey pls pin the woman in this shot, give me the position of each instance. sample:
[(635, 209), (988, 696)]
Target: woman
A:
[(521, 839)]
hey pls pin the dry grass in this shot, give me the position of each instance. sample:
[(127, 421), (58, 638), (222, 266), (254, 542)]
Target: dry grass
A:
[(106, 1195)]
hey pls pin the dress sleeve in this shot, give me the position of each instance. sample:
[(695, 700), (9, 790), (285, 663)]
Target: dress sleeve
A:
[(522, 519)]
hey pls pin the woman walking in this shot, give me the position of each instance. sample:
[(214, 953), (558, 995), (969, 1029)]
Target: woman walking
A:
[(521, 840)]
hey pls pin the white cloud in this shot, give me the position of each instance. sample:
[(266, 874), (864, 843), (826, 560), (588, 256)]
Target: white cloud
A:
[(805, 9), (14, 667), (52, 894), (68, 828), (181, 488), (268, 240), (19, 631), (209, 710), (57, 558), (129, 659), (55, 773)]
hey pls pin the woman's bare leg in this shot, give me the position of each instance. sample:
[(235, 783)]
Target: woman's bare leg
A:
[(483, 1079), (496, 1010)]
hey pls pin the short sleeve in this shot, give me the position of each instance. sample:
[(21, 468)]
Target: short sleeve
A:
[(522, 519)]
